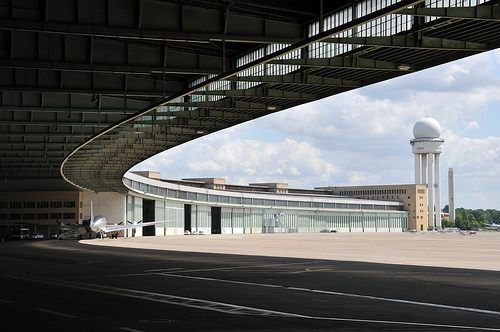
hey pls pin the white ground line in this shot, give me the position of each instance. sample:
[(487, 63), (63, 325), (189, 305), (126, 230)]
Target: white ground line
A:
[(223, 307), (152, 272), (129, 329), (246, 267), (164, 270), (56, 313), (427, 304), (5, 301)]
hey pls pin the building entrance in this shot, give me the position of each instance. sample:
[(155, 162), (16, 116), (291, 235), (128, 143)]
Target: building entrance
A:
[(148, 214), (187, 217), (216, 220)]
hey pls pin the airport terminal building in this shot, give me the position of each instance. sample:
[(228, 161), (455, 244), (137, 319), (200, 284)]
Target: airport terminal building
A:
[(211, 206)]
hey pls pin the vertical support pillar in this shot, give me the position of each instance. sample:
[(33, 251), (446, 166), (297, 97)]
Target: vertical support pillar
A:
[(125, 214), (423, 169), (437, 190), (430, 189), (418, 177)]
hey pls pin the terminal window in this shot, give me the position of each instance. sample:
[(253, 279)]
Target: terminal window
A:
[(70, 204), (55, 204), (15, 216), (42, 216)]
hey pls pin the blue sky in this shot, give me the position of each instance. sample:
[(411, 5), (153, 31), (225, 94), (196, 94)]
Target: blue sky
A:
[(362, 137)]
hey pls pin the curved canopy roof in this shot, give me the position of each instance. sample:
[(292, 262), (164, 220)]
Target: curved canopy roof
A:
[(90, 88)]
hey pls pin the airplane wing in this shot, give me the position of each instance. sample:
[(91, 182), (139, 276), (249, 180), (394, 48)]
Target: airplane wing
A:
[(115, 228)]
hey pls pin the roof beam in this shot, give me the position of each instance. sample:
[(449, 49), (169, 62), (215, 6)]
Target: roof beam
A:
[(424, 43), (72, 110), (286, 36), (480, 13), (65, 123), (345, 62), (104, 68), (225, 104), (89, 91), (77, 134), (190, 122), (206, 113), (7, 145), (258, 93), (298, 79)]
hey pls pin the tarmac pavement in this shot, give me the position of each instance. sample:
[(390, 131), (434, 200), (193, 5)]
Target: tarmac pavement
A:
[(67, 285)]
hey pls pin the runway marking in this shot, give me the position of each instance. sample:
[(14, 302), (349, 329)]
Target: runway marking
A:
[(56, 313), (5, 301), (225, 307), (152, 272), (129, 329), (164, 270), (246, 267), (310, 269), (370, 297)]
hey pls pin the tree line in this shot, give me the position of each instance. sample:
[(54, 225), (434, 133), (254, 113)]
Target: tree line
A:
[(472, 219)]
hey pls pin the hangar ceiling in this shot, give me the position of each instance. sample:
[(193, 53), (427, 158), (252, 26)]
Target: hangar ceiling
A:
[(89, 88)]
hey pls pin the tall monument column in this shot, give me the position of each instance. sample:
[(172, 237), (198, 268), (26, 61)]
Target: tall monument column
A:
[(437, 190), (427, 148), (451, 196)]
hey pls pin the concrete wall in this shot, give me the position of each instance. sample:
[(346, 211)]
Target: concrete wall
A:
[(110, 205)]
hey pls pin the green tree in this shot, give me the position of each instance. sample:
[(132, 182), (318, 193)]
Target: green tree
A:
[(461, 219), (468, 218), (475, 225), (480, 216), (447, 223)]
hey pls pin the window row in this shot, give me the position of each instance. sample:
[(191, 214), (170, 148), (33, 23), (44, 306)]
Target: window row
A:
[(365, 192), (201, 197), (37, 216), (38, 205)]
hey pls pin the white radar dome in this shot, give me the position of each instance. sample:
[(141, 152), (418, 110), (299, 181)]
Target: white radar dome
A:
[(427, 128)]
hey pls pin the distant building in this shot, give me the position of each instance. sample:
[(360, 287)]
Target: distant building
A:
[(412, 196), (41, 211), (211, 206)]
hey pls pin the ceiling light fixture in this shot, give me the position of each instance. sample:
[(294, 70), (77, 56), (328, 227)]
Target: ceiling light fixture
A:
[(404, 66)]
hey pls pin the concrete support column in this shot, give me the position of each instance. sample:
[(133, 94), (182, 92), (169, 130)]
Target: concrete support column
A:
[(418, 177), (437, 190), (423, 169), (430, 189)]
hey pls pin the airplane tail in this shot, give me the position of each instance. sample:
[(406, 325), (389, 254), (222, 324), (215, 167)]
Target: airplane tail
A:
[(91, 212)]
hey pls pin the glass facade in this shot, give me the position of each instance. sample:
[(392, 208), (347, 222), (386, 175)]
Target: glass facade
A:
[(245, 214)]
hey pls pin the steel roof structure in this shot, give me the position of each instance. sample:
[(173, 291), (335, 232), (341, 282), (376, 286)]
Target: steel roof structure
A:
[(89, 88)]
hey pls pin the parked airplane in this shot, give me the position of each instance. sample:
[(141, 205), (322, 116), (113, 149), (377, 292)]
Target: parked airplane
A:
[(493, 227), (99, 224)]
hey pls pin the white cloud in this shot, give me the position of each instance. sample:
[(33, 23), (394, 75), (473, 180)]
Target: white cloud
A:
[(482, 154), (472, 125), (245, 161), (362, 136)]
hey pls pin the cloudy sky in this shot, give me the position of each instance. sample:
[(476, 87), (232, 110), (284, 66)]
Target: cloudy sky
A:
[(362, 137)]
